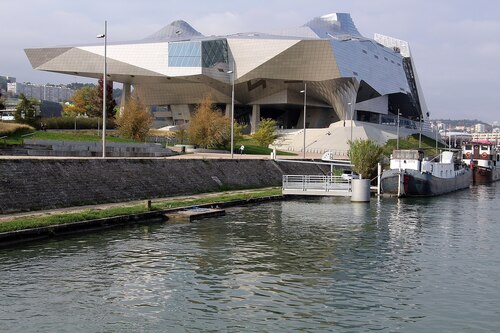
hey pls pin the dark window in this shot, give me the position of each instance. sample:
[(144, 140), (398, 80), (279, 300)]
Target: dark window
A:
[(214, 52)]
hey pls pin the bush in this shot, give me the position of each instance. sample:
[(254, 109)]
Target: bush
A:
[(266, 133), (81, 123), (365, 155), (8, 129), (135, 120), (208, 127)]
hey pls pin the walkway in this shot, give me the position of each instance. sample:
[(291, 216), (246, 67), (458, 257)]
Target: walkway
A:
[(9, 217)]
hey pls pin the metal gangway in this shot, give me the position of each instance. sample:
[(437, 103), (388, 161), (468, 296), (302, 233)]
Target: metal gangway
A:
[(318, 185)]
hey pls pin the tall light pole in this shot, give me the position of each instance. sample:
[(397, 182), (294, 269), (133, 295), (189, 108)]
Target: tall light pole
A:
[(397, 140), (232, 110), (105, 36), (420, 133), (351, 107), (305, 110), (437, 139)]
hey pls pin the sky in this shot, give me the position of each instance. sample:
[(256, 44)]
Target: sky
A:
[(455, 43)]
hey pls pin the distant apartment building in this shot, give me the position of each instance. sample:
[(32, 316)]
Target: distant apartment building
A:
[(46, 92), (493, 136), (479, 128)]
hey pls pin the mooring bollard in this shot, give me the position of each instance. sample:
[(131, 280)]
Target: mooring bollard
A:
[(147, 205), (360, 190)]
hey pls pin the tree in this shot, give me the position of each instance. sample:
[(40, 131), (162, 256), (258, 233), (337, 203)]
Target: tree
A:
[(135, 120), (2, 102), (26, 110), (181, 133), (84, 102), (365, 155), (208, 126), (110, 102), (266, 132)]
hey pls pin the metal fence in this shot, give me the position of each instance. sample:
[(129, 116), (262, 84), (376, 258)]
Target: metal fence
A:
[(316, 183)]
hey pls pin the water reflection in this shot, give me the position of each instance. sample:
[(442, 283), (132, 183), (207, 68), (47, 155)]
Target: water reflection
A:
[(309, 265)]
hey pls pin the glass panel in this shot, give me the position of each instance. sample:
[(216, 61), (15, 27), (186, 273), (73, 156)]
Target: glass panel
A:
[(184, 54), (214, 52)]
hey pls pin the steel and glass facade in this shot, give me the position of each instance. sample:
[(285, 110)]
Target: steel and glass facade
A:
[(348, 76)]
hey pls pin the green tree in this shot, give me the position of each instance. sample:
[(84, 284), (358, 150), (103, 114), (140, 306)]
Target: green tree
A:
[(26, 110), (2, 102), (266, 132), (135, 120), (365, 155)]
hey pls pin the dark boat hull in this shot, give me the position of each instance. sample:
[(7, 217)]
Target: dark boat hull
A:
[(417, 184), (486, 176)]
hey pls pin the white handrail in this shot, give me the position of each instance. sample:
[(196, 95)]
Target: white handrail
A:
[(315, 183)]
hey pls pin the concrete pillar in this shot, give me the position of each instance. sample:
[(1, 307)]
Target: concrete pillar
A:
[(125, 95), (255, 119), (360, 190), (228, 110)]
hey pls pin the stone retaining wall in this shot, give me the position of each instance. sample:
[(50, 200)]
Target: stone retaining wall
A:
[(34, 184)]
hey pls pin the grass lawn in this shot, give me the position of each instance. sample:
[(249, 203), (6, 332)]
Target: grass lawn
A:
[(67, 135), (428, 145), (80, 135), (251, 147)]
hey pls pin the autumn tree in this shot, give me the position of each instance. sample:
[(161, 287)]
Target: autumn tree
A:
[(135, 120), (88, 101), (26, 110), (181, 133), (110, 102), (209, 127), (266, 132), (84, 102)]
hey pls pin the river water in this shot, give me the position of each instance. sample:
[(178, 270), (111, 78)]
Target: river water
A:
[(308, 265)]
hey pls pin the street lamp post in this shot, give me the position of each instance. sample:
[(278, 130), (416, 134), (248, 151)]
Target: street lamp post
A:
[(351, 107), (232, 111), (420, 133), (397, 140), (305, 113), (437, 140), (105, 36)]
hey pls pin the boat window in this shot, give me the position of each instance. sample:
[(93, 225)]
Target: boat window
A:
[(484, 147), (468, 147)]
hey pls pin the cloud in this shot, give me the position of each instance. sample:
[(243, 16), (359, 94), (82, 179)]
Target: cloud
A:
[(455, 43)]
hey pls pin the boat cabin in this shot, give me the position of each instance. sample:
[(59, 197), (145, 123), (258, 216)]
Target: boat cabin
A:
[(407, 159), (485, 155), (446, 167)]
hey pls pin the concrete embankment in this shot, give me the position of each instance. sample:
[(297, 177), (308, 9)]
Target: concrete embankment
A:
[(35, 184)]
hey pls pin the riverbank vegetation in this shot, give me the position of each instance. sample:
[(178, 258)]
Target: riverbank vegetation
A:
[(365, 156), (78, 215), (428, 145)]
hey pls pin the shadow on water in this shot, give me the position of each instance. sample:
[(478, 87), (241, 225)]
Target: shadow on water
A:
[(310, 265)]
